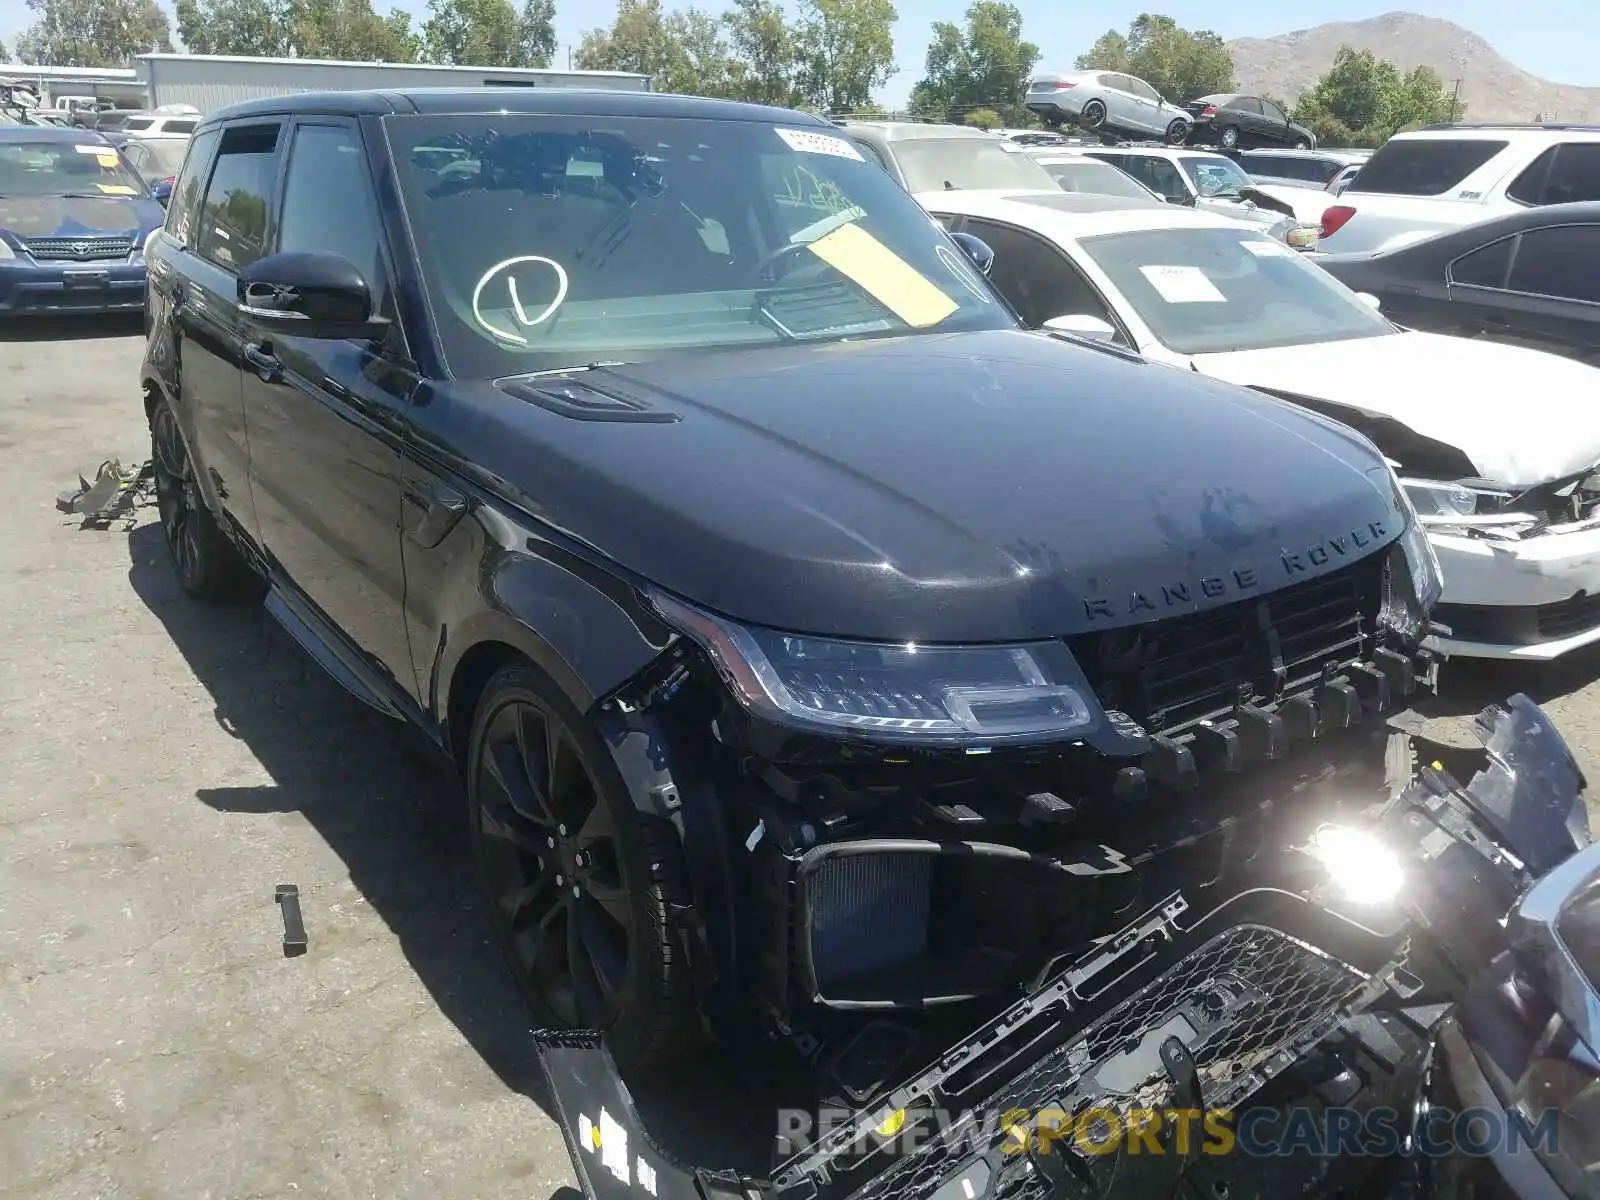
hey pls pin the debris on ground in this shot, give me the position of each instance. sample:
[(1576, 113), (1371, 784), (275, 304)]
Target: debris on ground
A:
[(115, 495), (294, 928)]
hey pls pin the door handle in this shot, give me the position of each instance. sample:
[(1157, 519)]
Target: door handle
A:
[(265, 362), (433, 510)]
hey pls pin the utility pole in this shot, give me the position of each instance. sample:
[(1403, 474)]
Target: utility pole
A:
[(1455, 101)]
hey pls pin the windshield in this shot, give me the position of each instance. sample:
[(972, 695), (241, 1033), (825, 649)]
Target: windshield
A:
[(161, 158), (1208, 291), (1097, 178), (559, 241), (1213, 175), (65, 169), (940, 164)]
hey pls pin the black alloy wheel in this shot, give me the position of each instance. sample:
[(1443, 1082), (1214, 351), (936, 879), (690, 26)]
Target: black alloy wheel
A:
[(1177, 131), (209, 566), (1093, 116), (582, 886)]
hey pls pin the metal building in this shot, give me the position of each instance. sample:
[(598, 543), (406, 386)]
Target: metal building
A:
[(212, 81), (119, 86)]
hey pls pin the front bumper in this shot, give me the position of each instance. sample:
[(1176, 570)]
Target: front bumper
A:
[(1538, 598), (1270, 1002), (89, 287)]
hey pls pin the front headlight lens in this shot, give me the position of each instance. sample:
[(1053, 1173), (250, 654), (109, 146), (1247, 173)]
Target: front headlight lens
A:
[(1432, 498), (1427, 578), (894, 692)]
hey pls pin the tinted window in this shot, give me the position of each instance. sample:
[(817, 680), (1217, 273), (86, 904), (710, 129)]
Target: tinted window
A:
[(1162, 178), (1528, 186), (1140, 88), (872, 152), (185, 201), (1484, 267), (178, 127), (1267, 164), (1425, 166), (1272, 112), (1035, 276), (1245, 104), (233, 217), (1559, 262), (549, 241), (327, 160), (1205, 290), (933, 164), (1575, 175), (134, 124)]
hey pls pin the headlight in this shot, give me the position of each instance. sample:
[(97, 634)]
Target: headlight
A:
[(1435, 499), (1427, 578), (894, 692)]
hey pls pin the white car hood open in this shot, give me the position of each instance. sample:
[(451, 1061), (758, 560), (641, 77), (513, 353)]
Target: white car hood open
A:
[(1522, 416)]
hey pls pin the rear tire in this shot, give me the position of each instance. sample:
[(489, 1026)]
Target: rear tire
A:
[(1093, 115), (1230, 138), (210, 567), (1177, 132), (551, 817)]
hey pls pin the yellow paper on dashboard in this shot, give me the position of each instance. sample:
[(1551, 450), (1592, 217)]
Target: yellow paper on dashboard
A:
[(108, 159), (116, 189), (884, 275)]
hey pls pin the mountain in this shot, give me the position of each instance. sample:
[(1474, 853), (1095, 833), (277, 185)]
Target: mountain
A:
[(1491, 88)]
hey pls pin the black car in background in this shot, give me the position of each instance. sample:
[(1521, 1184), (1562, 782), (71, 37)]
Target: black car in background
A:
[(827, 662), (1234, 121), (1531, 277)]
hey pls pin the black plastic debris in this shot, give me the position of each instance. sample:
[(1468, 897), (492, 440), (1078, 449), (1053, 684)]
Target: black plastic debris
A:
[(294, 927)]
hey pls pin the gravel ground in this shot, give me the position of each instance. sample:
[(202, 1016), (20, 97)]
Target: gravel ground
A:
[(164, 766)]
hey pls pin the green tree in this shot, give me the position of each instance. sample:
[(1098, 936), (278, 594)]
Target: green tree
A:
[(536, 33), (702, 65), (349, 29), (472, 33), (639, 40), (1179, 63), (93, 33), (764, 65), (984, 66), (258, 28), (1363, 100), (984, 118), (845, 49)]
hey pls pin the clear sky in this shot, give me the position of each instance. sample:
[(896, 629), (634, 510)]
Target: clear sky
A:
[(1558, 39)]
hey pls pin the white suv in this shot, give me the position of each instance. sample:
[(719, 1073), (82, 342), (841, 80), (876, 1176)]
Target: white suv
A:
[(1448, 176)]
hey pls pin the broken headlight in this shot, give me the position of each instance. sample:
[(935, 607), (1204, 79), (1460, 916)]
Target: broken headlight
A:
[(1436, 499), (1427, 578), (903, 692)]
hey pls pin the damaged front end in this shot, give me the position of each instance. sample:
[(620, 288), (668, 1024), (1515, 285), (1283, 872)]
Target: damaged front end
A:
[(1523, 564), (1334, 977)]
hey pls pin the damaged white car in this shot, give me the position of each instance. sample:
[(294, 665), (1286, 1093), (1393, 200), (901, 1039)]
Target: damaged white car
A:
[(1499, 446)]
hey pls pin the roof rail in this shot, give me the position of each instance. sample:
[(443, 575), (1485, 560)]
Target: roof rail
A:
[(1509, 125)]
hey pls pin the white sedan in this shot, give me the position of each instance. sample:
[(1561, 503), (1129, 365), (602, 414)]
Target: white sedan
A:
[(1498, 446)]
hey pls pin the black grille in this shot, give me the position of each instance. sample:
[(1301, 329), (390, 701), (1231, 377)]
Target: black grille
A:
[(1521, 625), (1251, 997), (1564, 618), (85, 249), (1170, 673)]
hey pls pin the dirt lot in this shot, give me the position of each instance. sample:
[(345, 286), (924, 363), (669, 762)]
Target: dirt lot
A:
[(164, 766)]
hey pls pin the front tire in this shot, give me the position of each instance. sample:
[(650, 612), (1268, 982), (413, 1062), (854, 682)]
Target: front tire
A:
[(584, 889), (209, 566)]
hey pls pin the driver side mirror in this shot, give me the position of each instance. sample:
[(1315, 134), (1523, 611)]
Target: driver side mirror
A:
[(976, 249), (162, 191), (313, 295), (1082, 325)]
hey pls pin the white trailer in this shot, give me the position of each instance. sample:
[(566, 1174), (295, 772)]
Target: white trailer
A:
[(212, 81)]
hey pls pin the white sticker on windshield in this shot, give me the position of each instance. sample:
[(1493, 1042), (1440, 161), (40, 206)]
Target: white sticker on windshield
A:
[(1263, 248), (94, 149), (1183, 285), (807, 142)]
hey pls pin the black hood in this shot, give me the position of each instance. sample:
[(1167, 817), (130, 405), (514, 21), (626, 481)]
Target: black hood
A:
[(967, 487)]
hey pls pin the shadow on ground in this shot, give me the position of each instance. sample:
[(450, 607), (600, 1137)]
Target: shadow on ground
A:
[(388, 807), (1466, 685), (71, 327)]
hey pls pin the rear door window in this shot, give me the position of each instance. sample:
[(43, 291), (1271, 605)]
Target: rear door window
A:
[(1425, 166), (178, 127), (1272, 112), (1558, 262), (1246, 104), (233, 216), (1485, 266), (1575, 175)]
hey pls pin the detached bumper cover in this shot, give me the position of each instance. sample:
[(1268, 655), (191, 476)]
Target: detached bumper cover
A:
[(1537, 598), (1173, 1012)]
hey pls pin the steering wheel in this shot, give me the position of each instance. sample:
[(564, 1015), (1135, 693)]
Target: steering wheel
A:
[(764, 268)]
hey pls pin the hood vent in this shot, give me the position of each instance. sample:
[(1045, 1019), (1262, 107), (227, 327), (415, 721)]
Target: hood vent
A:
[(584, 401)]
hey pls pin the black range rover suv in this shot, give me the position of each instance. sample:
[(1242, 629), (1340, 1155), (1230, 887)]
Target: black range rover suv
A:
[(817, 648)]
